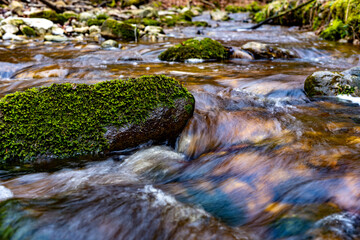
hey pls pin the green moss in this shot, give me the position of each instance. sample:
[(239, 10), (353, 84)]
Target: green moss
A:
[(127, 3), (200, 24), (345, 89), (102, 16), (150, 22), (192, 48), (187, 16), (97, 22), (53, 16), (235, 9), (28, 31), (336, 30), (69, 15), (120, 29), (66, 120)]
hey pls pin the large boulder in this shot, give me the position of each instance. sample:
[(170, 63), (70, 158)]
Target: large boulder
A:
[(40, 25), (326, 83), (69, 120), (206, 49), (262, 50), (118, 30)]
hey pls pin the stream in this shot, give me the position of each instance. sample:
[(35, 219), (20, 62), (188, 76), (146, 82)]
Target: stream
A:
[(258, 160)]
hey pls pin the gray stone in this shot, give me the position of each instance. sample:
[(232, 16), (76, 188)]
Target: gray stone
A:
[(262, 50), (148, 13), (54, 38), (238, 53), (326, 83), (110, 44)]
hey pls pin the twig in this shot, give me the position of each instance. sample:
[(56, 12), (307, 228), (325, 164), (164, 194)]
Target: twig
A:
[(280, 15)]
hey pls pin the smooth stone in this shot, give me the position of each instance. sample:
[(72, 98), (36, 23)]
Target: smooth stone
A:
[(9, 28), (94, 29), (16, 7), (10, 36), (54, 38), (238, 53), (110, 44), (81, 30), (57, 30), (263, 50), (153, 30)]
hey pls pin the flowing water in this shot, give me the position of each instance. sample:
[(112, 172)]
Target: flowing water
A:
[(258, 160)]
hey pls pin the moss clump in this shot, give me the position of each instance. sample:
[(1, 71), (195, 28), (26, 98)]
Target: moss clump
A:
[(252, 7), (150, 22), (193, 48), (336, 30), (200, 24), (67, 120), (28, 31), (96, 22), (116, 29), (53, 16), (102, 16)]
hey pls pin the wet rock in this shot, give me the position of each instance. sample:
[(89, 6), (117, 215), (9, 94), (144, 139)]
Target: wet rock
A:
[(206, 48), (84, 16), (16, 7), (118, 14), (40, 25), (81, 30), (110, 44), (9, 29), (153, 30), (10, 36), (94, 30), (238, 53), (262, 50), (57, 30), (55, 38), (118, 30), (90, 119), (326, 83), (219, 16)]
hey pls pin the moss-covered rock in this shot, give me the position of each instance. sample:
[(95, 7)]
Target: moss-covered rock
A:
[(28, 31), (206, 48), (67, 120), (52, 16), (95, 22), (326, 83), (118, 30)]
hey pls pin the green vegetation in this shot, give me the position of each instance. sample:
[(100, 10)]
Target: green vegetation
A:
[(333, 19), (67, 120), (96, 22), (193, 48), (53, 16), (28, 31), (336, 30), (150, 22), (252, 7), (345, 89)]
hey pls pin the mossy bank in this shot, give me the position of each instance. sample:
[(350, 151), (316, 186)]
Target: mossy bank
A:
[(331, 19), (68, 120), (206, 49)]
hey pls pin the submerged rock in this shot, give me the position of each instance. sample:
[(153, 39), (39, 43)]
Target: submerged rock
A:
[(118, 30), (68, 120), (326, 83), (262, 50), (206, 48), (55, 38)]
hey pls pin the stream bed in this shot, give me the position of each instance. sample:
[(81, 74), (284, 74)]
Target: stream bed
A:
[(258, 160)]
